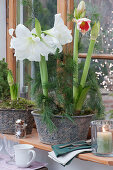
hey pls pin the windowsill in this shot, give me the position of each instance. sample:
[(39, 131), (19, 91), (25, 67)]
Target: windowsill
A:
[(34, 140), (31, 139)]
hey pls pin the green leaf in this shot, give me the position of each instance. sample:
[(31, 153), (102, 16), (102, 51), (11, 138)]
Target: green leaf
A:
[(38, 27), (82, 98), (75, 13), (95, 31), (80, 89)]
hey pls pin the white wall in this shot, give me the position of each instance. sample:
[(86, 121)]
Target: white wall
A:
[(76, 164), (2, 29)]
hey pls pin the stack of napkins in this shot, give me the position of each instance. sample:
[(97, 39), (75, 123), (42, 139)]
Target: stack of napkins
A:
[(66, 154)]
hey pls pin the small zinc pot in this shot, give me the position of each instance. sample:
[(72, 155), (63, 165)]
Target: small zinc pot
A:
[(8, 118), (66, 131)]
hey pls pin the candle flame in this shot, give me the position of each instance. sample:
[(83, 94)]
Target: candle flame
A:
[(103, 129)]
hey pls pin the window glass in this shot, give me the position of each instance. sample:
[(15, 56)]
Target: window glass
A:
[(101, 10), (104, 75)]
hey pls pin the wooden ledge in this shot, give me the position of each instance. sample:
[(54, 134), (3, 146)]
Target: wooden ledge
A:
[(30, 139), (97, 159), (34, 140)]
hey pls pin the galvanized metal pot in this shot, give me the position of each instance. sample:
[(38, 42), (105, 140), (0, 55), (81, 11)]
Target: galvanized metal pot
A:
[(67, 131), (8, 118)]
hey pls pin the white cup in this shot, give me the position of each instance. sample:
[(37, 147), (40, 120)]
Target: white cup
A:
[(23, 157)]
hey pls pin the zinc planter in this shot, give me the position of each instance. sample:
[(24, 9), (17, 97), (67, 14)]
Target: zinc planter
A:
[(66, 131), (8, 118)]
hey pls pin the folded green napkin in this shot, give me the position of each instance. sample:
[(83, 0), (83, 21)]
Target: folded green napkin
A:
[(62, 151)]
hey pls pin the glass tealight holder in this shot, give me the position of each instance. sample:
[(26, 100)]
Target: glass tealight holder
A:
[(20, 131), (102, 137)]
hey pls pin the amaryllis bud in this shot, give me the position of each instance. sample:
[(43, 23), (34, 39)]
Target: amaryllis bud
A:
[(10, 78), (81, 7), (83, 25), (95, 31)]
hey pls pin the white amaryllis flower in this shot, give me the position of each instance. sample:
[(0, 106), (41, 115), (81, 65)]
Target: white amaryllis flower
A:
[(28, 46), (60, 32), (83, 25)]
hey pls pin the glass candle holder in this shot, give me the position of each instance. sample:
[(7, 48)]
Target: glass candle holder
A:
[(102, 137), (20, 130)]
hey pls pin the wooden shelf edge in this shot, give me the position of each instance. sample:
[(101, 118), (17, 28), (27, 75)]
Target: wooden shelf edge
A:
[(101, 160), (33, 139)]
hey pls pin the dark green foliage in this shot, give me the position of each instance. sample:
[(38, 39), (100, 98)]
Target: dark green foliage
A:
[(95, 99), (4, 87), (60, 100), (47, 118)]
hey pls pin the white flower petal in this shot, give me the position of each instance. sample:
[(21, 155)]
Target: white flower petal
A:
[(22, 31), (83, 19), (60, 31), (36, 39), (58, 20)]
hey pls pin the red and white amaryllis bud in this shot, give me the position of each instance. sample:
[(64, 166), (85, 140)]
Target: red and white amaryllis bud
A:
[(83, 25)]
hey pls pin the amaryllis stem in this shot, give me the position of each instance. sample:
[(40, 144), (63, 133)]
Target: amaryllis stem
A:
[(75, 61), (87, 63), (44, 75)]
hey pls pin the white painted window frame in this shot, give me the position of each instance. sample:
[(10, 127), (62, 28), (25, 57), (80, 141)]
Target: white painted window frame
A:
[(2, 29)]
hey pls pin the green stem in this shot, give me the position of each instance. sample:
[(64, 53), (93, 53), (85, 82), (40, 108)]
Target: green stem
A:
[(11, 93), (87, 63), (44, 75), (75, 60)]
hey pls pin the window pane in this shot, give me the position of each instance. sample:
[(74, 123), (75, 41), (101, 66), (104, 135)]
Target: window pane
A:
[(104, 75)]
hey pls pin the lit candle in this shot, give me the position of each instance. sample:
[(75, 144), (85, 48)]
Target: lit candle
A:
[(111, 130), (104, 142)]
